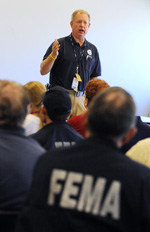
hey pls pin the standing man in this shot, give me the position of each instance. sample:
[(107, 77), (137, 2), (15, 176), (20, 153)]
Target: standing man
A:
[(72, 61)]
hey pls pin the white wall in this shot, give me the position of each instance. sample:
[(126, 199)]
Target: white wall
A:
[(119, 28)]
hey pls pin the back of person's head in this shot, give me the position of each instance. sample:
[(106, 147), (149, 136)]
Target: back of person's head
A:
[(111, 114), (35, 90), (94, 86), (57, 103), (14, 102)]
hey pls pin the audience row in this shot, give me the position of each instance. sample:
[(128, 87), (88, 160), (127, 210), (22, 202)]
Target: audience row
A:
[(72, 174)]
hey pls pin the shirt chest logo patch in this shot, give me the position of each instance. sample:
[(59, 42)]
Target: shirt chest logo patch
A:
[(89, 54)]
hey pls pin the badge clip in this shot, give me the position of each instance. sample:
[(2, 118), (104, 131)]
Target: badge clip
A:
[(78, 77)]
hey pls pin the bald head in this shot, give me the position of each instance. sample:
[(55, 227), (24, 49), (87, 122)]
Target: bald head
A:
[(13, 103), (112, 113)]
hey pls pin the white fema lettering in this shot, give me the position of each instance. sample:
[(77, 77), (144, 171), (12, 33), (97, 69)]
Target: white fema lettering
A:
[(64, 144), (90, 198)]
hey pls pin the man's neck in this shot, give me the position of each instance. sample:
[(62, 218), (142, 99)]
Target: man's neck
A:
[(79, 40), (47, 120)]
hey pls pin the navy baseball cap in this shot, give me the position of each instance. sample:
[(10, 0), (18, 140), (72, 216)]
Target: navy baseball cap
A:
[(57, 102)]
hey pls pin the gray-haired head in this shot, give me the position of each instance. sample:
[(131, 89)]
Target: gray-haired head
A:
[(14, 102)]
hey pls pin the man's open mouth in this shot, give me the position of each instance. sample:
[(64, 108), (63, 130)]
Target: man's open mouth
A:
[(81, 30)]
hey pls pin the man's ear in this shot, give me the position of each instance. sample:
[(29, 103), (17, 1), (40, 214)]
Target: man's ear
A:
[(69, 114), (30, 107), (129, 135), (71, 24), (86, 102), (43, 109), (84, 122), (89, 25), (43, 113)]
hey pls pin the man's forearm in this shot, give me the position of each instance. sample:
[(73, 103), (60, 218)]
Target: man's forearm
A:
[(47, 64)]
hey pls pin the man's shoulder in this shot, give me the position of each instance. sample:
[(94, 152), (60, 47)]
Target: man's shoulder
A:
[(19, 143), (64, 129), (42, 134), (56, 128), (64, 153), (73, 131), (64, 39), (97, 157), (90, 45), (33, 145)]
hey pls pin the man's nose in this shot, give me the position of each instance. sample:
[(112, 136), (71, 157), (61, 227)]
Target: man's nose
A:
[(82, 24)]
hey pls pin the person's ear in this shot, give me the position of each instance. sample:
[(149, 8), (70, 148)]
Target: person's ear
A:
[(89, 25), (43, 109), (31, 106), (44, 116), (71, 24), (29, 109), (69, 114), (86, 102), (84, 123), (129, 135)]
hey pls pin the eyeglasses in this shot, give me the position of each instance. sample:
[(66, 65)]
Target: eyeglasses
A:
[(82, 22)]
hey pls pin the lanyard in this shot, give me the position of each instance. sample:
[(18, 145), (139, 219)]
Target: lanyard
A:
[(77, 59)]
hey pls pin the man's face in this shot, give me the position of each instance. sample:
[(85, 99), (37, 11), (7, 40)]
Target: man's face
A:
[(80, 25)]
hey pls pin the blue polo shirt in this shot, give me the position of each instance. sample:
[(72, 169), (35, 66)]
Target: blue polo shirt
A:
[(70, 56)]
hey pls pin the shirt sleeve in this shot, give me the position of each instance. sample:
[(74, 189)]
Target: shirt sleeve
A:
[(97, 70)]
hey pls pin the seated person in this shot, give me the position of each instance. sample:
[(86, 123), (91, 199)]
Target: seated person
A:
[(143, 131), (33, 121), (57, 132), (94, 86), (18, 153), (92, 186), (140, 152)]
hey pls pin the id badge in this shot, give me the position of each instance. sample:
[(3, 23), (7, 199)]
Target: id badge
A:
[(75, 84)]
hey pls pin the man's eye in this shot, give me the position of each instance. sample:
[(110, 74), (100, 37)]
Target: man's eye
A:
[(79, 22)]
